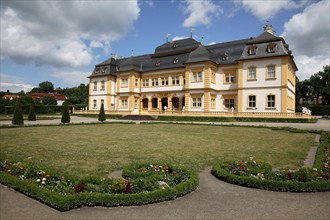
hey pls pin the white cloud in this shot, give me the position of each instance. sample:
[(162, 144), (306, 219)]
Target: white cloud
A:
[(200, 12), (179, 38), (54, 32), (308, 34), (13, 84), (72, 78), (268, 9), (212, 43)]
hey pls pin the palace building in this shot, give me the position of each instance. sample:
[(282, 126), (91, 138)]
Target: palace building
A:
[(185, 77)]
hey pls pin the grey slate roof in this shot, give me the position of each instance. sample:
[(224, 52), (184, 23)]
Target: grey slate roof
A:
[(176, 53)]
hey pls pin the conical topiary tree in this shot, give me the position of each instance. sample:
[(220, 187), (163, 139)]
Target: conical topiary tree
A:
[(66, 114), (102, 114), (32, 113), (18, 114)]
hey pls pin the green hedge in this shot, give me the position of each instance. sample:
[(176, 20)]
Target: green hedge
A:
[(107, 116), (319, 109), (66, 202), (283, 186), (233, 119)]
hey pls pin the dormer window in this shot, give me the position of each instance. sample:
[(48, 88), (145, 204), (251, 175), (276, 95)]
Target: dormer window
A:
[(271, 48), (96, 70), (175, 45), (176, 60), (225, 57), (157, 63), (104, 69), (252, 50)]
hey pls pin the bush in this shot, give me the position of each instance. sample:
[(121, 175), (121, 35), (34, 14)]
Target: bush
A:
[(61, 193), (260, 175), (18, 114), (65, 115), (32, 113), (102, 114), (319, 109)]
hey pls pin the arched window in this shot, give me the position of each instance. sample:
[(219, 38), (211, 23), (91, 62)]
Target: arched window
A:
[(145, 103)]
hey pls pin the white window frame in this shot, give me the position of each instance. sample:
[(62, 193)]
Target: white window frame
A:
[(252, 73), (273, 72), (124, 83), (252, 103)]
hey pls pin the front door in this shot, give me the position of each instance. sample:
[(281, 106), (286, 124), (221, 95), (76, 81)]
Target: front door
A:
[(164, 103)]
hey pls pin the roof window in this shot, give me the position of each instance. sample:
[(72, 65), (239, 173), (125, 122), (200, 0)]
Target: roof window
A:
[(176, 60), (157, 63), (271, 48), (96, 70), (252, 50), (225, 57), (175, 45), (104, 69)]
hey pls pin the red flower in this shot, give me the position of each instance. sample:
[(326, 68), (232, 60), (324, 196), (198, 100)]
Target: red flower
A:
[(128, 187), (79, 188)]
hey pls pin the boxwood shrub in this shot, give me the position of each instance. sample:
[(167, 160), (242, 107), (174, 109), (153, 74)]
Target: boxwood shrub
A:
[(63, 194)]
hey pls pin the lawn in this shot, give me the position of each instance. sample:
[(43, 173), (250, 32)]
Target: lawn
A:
[(100, 149), (39, 117)]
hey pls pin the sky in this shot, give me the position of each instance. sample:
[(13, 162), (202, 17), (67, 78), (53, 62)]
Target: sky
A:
[(62, 40)]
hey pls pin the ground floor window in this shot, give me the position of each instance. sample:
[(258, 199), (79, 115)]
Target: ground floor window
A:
[(252, 101), (154, 102), (94, 103), (136, 103), (197, 102), (124, 103), (145, 103), (175, 102), (230, 103), (212, 103), (271, 101)]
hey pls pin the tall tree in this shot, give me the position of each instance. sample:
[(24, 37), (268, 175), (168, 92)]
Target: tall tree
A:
[(46, 87), (102, 114), (66, 114), (18, 114), (49, 100), (32, 113)]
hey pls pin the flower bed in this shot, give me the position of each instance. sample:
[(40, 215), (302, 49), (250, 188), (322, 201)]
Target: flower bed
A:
[(257, 174), (147, 184)]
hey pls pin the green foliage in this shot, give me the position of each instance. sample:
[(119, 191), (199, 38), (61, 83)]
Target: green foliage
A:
[(49, 100), (108, 116), (46, 87), (66, 114), (18, 114), (63, 194), (319, 109), (257, 174), (102, 114), (32, 113), (76, 95)]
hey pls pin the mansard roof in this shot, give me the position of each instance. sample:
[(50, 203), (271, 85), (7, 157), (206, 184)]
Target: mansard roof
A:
[(176, 54)]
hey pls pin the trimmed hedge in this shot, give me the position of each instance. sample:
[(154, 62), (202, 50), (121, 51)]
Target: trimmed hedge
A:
[(233, 119), (107, 116), (319, 109), (66, 202), (283, 186)]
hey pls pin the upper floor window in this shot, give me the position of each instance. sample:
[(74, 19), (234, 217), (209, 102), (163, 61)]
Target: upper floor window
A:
[(252, 101), (197, 77), (102, 85), (175, 80), (136, 82), (213, 77), (271, 48), (124, 82), (165, 81), (271, 101), (124, 103), (252, 74), (154, 82), (95, 86), (145, 82), (252, 50), (271, 72), (230, 78)]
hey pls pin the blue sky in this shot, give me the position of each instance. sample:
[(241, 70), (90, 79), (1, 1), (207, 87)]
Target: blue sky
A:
[(61, 41)]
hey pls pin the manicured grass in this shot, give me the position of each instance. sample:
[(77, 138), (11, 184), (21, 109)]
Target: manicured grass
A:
[(25, 117), (102, 148)]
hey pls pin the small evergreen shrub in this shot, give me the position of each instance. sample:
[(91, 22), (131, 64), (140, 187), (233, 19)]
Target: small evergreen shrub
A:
[(102, 114), (18, 114), (66, 114), (32, 113)]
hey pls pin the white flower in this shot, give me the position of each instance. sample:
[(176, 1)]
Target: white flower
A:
[(314, 169), (251, 158), (43, 182), (44, 179), (151, 165), (38, 180), (163, 185)]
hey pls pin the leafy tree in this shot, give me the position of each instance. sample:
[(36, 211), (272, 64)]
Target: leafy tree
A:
[(325, 83), (32, 113), (49, 100), (18, 114), (66, 114), (102, 114), (46, 87), (26, 100), (35, 90)]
